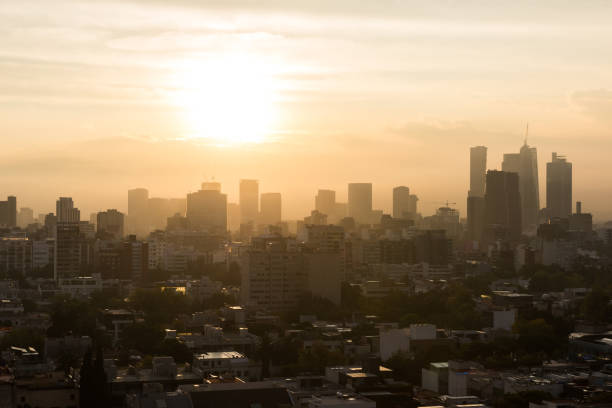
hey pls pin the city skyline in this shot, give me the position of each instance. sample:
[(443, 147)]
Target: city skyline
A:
[(379, 194), (410, 84)]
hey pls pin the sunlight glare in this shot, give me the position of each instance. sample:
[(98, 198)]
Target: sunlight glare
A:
[(229, 100)]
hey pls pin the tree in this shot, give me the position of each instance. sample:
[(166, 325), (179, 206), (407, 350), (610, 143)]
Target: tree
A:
[(178, 350), (595, 307), (317, 357), (536, 336)]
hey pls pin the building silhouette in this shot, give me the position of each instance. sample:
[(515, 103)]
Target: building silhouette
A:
[(402, 202), (25, 217), (325, 202), (502, 206), (558, 187), (65, 210), (478, 170), (271, 208), (138, 206), (249, 201), (525, 164), (8, 212), (67, 256), (112, 222), (360, 202), (207, 210)]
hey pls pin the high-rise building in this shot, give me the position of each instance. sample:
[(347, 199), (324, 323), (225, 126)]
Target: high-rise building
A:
[(67, 257), (478, 170), (8, 212), (475, 219), (65, 210), (138, 208), (558, 187), (233, 216), (270, 208), (525, 164), (25, 217), (273, 275), (112, 222), (249, 201), (207, 210), (325, 202), (360, 202), (402, 203), (503, 206)]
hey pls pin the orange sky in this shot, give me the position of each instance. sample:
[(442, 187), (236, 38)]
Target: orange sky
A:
[(99, 97)]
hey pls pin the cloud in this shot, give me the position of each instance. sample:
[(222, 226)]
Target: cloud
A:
[(596, 103)]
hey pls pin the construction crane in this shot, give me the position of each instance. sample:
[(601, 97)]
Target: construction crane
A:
[(446, 203)]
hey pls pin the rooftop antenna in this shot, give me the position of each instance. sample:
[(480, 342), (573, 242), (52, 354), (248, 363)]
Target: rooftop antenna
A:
[(526, 133)]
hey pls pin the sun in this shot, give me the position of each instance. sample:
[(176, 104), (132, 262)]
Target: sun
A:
[(227, 100)]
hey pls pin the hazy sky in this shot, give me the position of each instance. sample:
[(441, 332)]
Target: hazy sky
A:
[(97, 97)]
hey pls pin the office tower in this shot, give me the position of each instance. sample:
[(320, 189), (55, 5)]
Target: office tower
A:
[(233, 216), (475, 219), (412, 207), (446, 219), (138, 203), (360, 202), (315, 218), (93, 218), (525, 164), (8, 212), (25, 217), (133, 259), (112, 222), (580, 221), (270, 208), (15, 255), (207, 210), (65, 210), (325, 202), (50, 224), (478, 169), (503, 206), (211, 185), (249, 201), (158, 212), (402, 203), (558, 187), (67, 257), (273, 275)]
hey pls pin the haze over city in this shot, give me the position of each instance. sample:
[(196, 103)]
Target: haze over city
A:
[(99, 97)]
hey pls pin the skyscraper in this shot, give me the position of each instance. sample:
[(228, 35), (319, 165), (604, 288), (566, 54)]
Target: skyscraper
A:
[(270, 208), (8, 212), (475, 219), (110, 221), (478, 169), (360, 202), (67, 258), (138, 208), (25, 217), (558, 187), (401, 202), (325, 202), (525, 164), (249, 201), (233, 217), (207, 209), (65, 210), (503, 206)]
